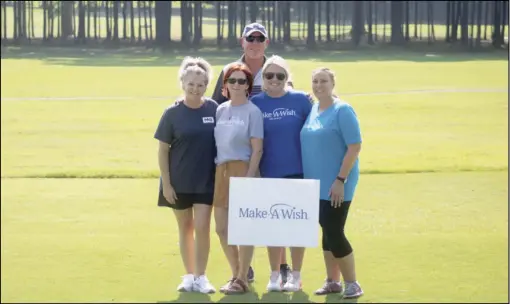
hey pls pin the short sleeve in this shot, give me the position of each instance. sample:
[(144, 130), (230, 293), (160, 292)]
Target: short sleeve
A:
[(219, 111), (349, 125), (165, 129), (256, 127)]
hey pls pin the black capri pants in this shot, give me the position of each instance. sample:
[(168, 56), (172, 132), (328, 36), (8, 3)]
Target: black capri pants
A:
[(332, 221)]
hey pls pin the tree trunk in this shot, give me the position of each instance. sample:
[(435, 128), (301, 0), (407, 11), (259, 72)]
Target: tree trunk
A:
[(504, 20), (486, 20), (197, 6), (358, 24), (139, 7), (397, 37), (242, 16), (319, 20), (81, 22), (185, 21), (231, 11), (218, 23), (95, 22), (478, 41), (376, 15), (407, 20), (310, 38), (151, 34), (163, 12), (497, 40), (45, 19), (273, 18), (124, 20), (369, 18), (145, 20), (287, 22), (472, 23), (116, 20), (132, 18), (464, 23), (89, 14), (328, 21), (254, 11), (416, 7), (448, 22), (108, 20), (67, 18)]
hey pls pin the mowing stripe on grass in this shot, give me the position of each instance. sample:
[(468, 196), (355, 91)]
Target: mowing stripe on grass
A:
[(155, 174), (426, 91)]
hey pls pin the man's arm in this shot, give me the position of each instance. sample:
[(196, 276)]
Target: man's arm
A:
[(217, 96)]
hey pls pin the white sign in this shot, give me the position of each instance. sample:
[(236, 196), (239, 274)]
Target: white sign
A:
[(274, 212)]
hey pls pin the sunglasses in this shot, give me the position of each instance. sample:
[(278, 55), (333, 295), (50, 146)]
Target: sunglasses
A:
[(240, 81), (270, 75), (253, 38)]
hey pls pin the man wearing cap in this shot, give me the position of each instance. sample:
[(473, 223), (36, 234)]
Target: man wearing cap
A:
[(254, 42)]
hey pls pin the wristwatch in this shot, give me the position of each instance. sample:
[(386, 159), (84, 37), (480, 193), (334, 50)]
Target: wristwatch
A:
[(343, 180)]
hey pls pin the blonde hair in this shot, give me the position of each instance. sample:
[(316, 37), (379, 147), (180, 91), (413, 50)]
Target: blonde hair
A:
[(329, 72), (195, 65), (278, 61)]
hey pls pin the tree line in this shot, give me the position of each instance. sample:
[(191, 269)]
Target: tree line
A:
[(197, 23)]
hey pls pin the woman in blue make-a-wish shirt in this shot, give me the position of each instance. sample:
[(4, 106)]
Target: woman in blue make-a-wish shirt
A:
[(285, 112)]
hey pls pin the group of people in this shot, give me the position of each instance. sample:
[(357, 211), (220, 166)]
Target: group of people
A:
[(256, 125)]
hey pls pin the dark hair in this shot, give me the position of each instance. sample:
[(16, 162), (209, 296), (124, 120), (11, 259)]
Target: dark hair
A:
[(233, 68)]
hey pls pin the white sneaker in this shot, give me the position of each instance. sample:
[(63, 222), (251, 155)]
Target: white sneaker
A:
[(352, 290), (187, 283), (203, 285), (293, 284), (275, 284)]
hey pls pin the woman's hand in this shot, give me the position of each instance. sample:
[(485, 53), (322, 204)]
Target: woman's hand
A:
[(336, 193), (169, 194)]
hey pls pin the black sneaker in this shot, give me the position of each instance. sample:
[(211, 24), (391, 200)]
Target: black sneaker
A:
[(284, 272), (251, 275)]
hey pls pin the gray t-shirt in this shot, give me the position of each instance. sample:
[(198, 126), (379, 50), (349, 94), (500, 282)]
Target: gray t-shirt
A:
[(190, 134), (235, 126)]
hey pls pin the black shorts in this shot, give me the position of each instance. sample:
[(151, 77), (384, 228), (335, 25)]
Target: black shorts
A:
[(186, 200)]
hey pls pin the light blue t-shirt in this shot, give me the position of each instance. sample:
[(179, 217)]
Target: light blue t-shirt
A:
[(283, 119), (324, 141)]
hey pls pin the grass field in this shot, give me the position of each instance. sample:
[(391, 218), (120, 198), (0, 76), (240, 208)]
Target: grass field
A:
[(429, 222)]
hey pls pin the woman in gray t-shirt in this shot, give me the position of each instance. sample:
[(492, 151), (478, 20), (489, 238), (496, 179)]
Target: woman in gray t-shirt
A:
[(239, 134)]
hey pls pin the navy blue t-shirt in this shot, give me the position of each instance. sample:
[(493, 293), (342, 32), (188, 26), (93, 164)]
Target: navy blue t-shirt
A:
[(190, 134), (283, 119)]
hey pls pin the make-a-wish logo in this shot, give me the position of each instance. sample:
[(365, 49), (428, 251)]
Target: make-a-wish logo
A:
[(279, 113), (275, 212)]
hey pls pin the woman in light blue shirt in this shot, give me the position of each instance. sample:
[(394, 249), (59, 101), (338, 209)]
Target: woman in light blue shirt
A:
[(330, 144)]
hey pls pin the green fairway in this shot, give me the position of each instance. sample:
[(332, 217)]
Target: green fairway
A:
[(436, 235), (418, 237), (404, 132)]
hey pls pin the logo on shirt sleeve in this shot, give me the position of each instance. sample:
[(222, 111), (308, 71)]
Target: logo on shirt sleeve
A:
[(208, 120)]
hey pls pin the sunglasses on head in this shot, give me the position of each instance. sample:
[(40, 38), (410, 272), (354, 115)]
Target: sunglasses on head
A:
[(240, 81), (270, 75), (253, 38)]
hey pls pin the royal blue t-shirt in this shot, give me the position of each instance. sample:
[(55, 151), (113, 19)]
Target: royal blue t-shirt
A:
[(283, 119), (324, 140)]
